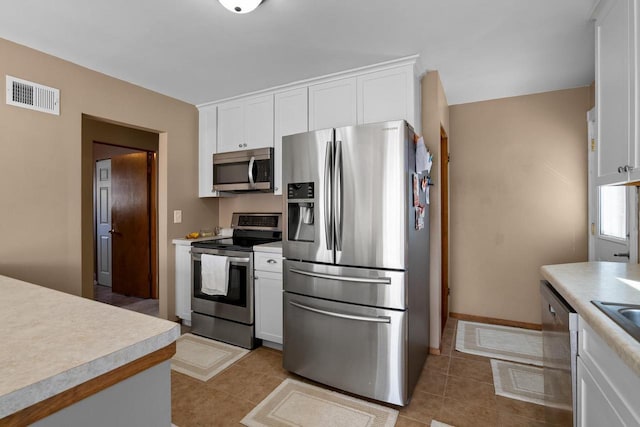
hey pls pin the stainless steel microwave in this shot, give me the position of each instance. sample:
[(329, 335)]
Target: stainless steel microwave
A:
[(247, 170)]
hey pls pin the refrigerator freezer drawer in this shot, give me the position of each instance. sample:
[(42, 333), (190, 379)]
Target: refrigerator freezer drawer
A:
[(377, 288), (358, 349)]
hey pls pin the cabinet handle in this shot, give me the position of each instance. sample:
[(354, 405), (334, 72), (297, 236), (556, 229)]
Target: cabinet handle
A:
[(271, 261), (625, 168), (240, 146), (244, 145)]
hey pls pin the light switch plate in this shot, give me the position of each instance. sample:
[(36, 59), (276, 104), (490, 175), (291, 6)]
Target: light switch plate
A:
[(177, 217)]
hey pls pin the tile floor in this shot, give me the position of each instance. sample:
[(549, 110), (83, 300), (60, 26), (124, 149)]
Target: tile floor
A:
[(141, 305), (455, 388)]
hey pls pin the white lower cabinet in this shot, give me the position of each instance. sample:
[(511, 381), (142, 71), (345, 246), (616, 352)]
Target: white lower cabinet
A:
[(183, 281), (607, 387), (268, 292)]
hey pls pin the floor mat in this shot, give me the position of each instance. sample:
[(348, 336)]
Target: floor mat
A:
[(300, 404), (526, 382), (202, 358), (500, 342)]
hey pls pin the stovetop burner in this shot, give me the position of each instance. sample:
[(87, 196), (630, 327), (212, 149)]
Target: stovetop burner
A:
[(249, 230), (244, 244)]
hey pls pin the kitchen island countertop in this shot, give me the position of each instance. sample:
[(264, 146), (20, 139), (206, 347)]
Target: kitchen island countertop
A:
[(580, 283), (53, 342)]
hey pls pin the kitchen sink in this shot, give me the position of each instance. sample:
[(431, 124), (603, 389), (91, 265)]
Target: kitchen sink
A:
[(632, 314), (627, 316)]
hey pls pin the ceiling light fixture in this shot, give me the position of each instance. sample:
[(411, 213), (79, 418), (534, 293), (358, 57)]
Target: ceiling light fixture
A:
[(240, 6)]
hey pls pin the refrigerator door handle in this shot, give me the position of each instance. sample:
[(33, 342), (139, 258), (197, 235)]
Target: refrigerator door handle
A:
[(381, 319), (337, 194), (328, 223), (380, 281)]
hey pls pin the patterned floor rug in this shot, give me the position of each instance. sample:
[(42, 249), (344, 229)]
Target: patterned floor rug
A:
[(202, 358), (526, 382), (300, 404), (500, 342)]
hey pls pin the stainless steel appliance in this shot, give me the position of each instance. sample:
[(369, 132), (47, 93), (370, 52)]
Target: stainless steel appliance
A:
[(242, 171), (560, 356), (230, 318), (356, 270)]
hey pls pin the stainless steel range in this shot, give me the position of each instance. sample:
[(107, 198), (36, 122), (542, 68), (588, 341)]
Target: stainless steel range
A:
[(225, 311)]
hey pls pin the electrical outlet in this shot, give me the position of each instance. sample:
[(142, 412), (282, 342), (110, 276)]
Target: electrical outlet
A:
[(177, 217)]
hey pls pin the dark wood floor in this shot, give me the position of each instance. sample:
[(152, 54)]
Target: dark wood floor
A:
[(141, 305)]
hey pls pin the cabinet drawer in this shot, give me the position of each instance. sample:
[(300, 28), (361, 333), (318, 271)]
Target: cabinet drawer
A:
[(267, 262)]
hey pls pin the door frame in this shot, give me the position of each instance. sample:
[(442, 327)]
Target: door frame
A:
[(444, 226)]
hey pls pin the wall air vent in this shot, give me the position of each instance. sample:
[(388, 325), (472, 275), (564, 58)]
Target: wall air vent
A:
[(33, 96)]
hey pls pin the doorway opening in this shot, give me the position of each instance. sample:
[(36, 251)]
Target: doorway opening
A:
[(444, 215), (125, 195)]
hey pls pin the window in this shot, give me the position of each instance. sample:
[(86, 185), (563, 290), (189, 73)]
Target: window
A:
[(613, 211)]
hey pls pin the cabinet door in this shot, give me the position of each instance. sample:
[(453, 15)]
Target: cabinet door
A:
[(333, 104), (291, 116), (207, 128), (183, 283), (634, 149), (613, 90), (268, 289), (386, 95), (594, 408), (258, 125), (231, 126)]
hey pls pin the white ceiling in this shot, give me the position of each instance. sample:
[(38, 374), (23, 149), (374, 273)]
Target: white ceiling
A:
[(197, 51)]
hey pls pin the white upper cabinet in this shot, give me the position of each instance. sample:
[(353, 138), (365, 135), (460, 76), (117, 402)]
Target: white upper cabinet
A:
[(333, 104), (615, 87), (386, 95), (291, 117), (207, 128), (259, 121), (382, 92), (245, 124)]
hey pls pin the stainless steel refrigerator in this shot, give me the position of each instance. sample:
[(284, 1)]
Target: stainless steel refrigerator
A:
[(357, 267)]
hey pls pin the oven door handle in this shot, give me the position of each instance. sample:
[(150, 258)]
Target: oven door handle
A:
[(197, 255), (380, 281), (380, 319)]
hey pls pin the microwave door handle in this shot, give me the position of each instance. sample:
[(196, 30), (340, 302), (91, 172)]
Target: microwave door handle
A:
[(251, 179), (337, 195), (328, 223)]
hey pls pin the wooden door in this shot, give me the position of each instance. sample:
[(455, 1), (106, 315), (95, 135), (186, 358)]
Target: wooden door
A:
[(130, 216), (444, 168), (103, 221)]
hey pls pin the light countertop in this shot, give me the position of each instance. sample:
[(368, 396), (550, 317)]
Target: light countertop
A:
[(53, 341), (187, 242), (273, 247), (580, 283)]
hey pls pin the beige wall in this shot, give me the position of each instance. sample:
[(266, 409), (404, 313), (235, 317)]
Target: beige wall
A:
[(248, 203), (518, 199), (435, 114), (46, 172)]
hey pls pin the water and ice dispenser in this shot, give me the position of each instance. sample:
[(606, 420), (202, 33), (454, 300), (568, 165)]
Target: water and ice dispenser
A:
[(300, 216)]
